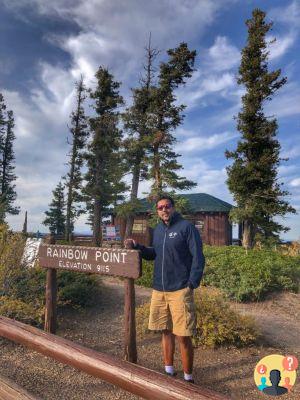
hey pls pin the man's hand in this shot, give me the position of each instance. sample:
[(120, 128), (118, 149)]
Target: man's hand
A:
[(129, 243)]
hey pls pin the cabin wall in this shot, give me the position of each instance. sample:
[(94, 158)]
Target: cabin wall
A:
[(142, 236), (214, 227)]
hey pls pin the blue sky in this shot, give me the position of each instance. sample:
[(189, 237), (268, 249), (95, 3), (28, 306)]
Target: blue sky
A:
[(45, 46)]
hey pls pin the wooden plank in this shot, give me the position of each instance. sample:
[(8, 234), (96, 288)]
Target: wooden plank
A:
[(97, 260), (9, 390), (131, 377), (222, 230)]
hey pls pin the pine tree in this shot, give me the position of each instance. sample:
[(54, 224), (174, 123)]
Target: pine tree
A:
[(2, 135), (2, 121), (252, 178), (105, 167), (7, 176), (167, 116), (55, 217), (79, 134), (137, 122)]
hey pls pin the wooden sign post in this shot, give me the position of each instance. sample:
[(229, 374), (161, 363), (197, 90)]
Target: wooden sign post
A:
[(51, 297), (104, 261)]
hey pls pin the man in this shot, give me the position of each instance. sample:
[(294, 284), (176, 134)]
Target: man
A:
[(178, 268)]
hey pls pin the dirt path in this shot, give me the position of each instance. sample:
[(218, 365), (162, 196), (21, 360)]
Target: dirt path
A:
[(278, 318), (229, 371)]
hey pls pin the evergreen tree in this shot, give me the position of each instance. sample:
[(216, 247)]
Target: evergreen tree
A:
[(7, 176), (104, 161), (138, 123), (252, 178), (167, 116), (55, 217), (2, 121), (2, 136), (79, 134)]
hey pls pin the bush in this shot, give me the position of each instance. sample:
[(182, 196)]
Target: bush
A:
[(217, 323), (147, 274), (292, 249), (250, 275), (22, 290), (76, 289), (243, 275), (21, 311)]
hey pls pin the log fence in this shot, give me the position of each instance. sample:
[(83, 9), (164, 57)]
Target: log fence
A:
[(133, 378), (9, 390)]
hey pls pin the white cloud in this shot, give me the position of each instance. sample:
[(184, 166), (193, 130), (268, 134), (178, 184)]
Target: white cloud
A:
[(289, 15), (281, 45), (197, 144), (57, 96), (284, 171), (291, 152), (226, 116), (209, 180), (195, 91), (286, 102), (222, 56), (214, 75), (295, 182), (40, 150)]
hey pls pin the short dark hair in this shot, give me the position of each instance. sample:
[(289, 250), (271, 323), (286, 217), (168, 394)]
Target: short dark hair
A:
[(165, 197)]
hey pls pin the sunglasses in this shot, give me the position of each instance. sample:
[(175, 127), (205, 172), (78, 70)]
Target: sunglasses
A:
[(166, 206)]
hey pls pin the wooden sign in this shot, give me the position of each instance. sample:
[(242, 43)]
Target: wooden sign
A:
[(97, 260)]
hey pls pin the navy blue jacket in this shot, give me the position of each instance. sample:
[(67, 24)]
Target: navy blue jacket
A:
[(177, 251)]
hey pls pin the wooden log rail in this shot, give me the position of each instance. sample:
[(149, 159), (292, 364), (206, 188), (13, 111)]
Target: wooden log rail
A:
[(11, 391), (131, 377)]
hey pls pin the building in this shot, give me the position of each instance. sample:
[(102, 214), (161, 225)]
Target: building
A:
[(209, 214)]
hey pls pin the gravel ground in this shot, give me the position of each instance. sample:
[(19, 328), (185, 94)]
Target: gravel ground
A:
[(228, 371)]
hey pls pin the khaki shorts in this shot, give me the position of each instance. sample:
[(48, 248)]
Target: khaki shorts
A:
[(174, 311)]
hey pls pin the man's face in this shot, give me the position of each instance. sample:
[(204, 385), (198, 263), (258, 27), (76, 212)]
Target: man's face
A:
[(165, 210)]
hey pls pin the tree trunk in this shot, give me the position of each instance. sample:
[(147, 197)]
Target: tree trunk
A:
[(68, 214), (157, 174), (248, 235), (97, 236), (133, 196)]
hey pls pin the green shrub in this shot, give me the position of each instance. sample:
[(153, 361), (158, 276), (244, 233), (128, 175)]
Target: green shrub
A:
[(22, 290), (20, 310), (76, 289), (250, 275), (147, 274), (243, 275), (217, 323)]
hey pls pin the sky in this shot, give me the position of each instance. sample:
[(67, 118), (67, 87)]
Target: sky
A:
[(46, 46)]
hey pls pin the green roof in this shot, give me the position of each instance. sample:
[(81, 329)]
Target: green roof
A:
[(198, 202)]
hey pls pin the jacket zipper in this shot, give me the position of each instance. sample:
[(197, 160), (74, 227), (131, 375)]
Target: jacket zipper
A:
[(163, 260)]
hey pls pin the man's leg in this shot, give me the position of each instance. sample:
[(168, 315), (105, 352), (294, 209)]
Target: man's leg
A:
[(187, 353), (168, 346), (160, 320)]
